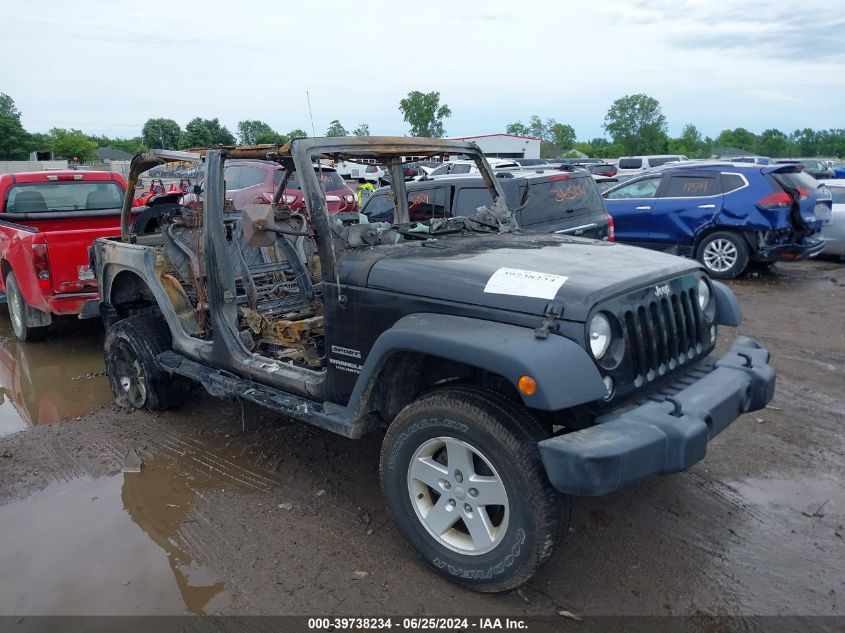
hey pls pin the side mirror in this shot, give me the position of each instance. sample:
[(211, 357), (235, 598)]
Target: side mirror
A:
[(196, 189)]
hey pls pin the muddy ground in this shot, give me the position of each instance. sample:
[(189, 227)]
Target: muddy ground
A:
[(236, 511)]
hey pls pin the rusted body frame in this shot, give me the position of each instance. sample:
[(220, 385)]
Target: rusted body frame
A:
[(299, 155)]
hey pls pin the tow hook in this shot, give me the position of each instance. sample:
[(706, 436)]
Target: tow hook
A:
[(552, 313)]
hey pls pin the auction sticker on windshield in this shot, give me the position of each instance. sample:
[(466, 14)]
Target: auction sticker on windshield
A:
[(524, 283)]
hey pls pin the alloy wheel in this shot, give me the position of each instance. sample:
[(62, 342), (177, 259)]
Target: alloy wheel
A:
[(720, 255), (458, 496)]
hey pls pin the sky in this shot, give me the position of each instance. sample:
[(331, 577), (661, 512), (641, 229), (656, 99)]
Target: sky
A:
[(105, 67)]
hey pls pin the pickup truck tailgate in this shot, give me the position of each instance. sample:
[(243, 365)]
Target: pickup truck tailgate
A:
[(67, 252)]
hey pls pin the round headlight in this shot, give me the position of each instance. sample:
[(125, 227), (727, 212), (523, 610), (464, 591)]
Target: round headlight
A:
[(703, 294), (599, 335)]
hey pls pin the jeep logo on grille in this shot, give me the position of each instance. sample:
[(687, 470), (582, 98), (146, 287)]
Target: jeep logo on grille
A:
[(661, 291)]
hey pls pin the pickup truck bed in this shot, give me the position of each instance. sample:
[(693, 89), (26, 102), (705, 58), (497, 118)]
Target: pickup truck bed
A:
[(47, 222)]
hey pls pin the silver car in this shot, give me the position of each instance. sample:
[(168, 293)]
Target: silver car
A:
[(834, 233)]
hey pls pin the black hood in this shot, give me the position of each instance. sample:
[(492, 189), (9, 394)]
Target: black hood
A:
[(460, 269)]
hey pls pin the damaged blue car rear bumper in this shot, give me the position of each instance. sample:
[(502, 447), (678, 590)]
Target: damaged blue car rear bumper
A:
[(667, 434)]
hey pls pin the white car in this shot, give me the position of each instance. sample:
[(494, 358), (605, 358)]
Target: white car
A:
[(636, 164), (454, 167), (834, 232), (360, 171), (757, 160)]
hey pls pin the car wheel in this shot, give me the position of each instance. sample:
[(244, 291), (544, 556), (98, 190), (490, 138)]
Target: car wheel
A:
[(723, 254), (17, 312), (465, 486), (131, 347)]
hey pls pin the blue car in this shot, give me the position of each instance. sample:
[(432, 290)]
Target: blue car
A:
[(723, 214), (839, 170)]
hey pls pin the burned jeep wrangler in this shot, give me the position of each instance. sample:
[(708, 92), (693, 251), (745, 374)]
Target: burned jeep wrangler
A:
[(502, 368)]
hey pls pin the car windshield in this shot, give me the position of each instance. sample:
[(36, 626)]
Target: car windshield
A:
[(64, 196)]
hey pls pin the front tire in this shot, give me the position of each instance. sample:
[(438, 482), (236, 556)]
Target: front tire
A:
[(17, 312), (724, 254), (465, 486), (131, 347)]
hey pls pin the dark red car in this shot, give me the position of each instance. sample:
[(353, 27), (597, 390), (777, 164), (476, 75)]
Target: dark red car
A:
[(254, 181)]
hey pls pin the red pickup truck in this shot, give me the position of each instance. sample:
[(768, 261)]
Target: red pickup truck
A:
[(47, 222)]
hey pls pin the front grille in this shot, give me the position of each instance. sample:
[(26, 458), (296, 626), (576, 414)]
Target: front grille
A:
[(663, 334)]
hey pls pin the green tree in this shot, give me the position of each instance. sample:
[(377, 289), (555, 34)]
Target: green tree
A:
[(610, 150), (537, 128), (584, 148), (832, 142), (14, 140), (336, 129), (773, 143), (8, 107), (37, 142), (739, 138), (806, 142), (562, 135), (72, 145), (425, 114), (690, 143), (220, 134), (161, 133), (270, 136), (297, 133), (205, 133), (196, 134), (131, 145), (652, 140), (636, 122), (250, 131), (518, 128), (362, 130)]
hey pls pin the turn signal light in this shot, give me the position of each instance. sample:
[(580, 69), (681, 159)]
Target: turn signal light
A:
[(527, 385)]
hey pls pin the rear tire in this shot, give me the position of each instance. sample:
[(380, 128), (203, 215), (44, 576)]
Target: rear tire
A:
[(17, 312), (131, 347), (723, 254), (465, 486)]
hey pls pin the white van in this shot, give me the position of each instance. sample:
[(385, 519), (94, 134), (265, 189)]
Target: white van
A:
[(633, 164)]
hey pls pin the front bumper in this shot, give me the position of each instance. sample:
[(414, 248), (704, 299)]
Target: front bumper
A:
[(666, 434)]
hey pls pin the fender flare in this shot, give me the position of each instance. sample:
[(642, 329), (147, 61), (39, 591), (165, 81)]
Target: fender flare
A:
[(566, 376), (728, 310)]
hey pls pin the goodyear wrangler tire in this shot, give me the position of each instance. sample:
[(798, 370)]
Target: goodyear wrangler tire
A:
[(465, 486), (131, 347)]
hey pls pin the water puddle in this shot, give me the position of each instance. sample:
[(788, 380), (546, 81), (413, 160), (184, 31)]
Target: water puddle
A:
[(51, 380), (132, 543), (810, 497)]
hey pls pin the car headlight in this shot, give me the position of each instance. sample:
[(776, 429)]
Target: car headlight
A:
[(704, 296), (599, 335)]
